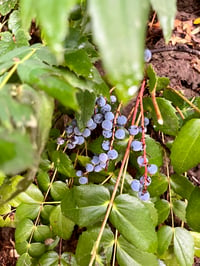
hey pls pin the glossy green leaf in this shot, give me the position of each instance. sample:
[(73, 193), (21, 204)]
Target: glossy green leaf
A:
[(86, 242), (165, 234), (183, 246), (27, 12), (61, 225), (86, 204), (159, 185), (68, 259), (14, 22), (45, 213), (152, 211), (183, 158), (31, 195), (6, 6), (154, 151), (95, 145), (135, 225), (36, 249), (43, 180), (26, 210), (41, 233), (179, 208), (181, 185), (156, 83), (58, 190), (49, 258), (165, 17), (163, 210), (122, 57), (63, 163), (192, 210), (196, 237), (6, 222), (128, 254), (170, 120), (25, 259), (174, 98), (21, 247), (23, 230), (86, 101), (5, 209)]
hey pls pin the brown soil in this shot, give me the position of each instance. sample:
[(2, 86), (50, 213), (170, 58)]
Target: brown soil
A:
[(183, 70)]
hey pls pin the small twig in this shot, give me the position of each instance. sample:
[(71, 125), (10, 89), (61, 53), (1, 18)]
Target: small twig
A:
[(179, 48), (180, 112)]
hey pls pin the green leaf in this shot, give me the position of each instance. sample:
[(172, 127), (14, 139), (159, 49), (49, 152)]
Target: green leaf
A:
[(25, 259), (25, 210), (135, 225), (181, 185), (61, 225), (6, 6), (23, 230), (49, 258), (183, 246), (68, 259), (158, 186), (165, 234), (86, 242), (36, 249), (63, 163), (196, 237), (31, 195), (174, 98), (86, 101), (58, 190), (165, 17), (14, 22), (170, 120), (156, 83), (127, 254), (179, 208), (43, 180), (122, 57), (154, 151), (163, 210), (27, 12), (192, 210), (86, 205), (41, 233), (183, 158), (45, 213), (95, 145)]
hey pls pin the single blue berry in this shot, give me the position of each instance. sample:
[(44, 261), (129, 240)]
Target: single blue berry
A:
[(107, 125), (140, 161), (136, 145), (105, 145), (81, 140), (100, 101), (83, 180), (144, 195), (103, 157), (112, 154), (146, 182), (135, 185), (98, 118), (152, 169), (89, 167), (77, 131), (120, 133), (105, 108), (60, 141), (113, 99), (79, 173), (98, 168), (107, 134), (86, 133), (93, 126), (147, 55), (109, 116), (69, 130), (133, 130), (121, 120), (71, 145), (89, 123), (95, 160), (146, 121)]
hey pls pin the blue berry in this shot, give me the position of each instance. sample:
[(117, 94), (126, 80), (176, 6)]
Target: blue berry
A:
[(147, 55), (69, 130), (80, 140), (105, 145), (98, 168), (89, 167), (90, 123), (75, 140), (77, 131), (135, 185), (109, 116), (113, 99), (144, 195), (79, 173), (98, 118), (112, 154), (103, 157), (60, 141), (93, 126), (120, 133), (71, 145), (136, 145), (146, 121), (107, 134), (83, 180), (95, 160), (103, 165), (107, 125), (140, 160), (105, 108), (152, 169), (86, 133), (121, 120), (147, 182), (101, 101), (133, 130)]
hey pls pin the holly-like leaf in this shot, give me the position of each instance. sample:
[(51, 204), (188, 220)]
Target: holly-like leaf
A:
[(136, 225), (165, 234), (122, 57), (192, 210), (165, 17), (86, 242), (61, 225), (85, 205), (181, 185), (184, 152), (183, 246), (63, 163)]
